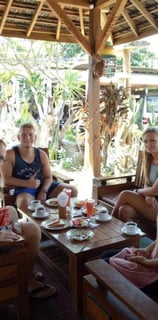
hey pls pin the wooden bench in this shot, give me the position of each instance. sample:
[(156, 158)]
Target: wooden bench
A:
[(57, 175), (107, 295), (108, 188)]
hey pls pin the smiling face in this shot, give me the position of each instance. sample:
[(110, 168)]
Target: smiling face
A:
[(151, 142), (27, 137)]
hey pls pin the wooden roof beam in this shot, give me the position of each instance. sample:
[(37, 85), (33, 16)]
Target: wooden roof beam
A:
[(103, 20), (58, 29), (59, 26), (81, 20), (110, 24), (129, 21), (7, 8), (75, 4), (70, 26), (101, 4), (144, 12), (35, 16)]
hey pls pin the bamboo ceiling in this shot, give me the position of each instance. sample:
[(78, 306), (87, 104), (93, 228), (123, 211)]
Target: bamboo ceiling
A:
[(69, 21)]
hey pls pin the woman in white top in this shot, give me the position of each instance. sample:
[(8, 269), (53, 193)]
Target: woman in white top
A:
[(143, 204)]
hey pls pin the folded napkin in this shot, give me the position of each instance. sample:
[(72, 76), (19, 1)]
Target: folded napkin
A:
[(76, 213), (92, 224)]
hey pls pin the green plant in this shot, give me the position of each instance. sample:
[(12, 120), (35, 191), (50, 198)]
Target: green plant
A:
[(67, 163), (70, 134)]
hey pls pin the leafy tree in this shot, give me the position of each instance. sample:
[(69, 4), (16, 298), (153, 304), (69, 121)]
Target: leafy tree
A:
[(142, 57)]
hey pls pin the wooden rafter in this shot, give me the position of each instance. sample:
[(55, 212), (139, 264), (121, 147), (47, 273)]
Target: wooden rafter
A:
[(111, 22), (130, 21), (34, 18), (8, 6), (69, 21), (81, 20), (69, 24), (145, 13)]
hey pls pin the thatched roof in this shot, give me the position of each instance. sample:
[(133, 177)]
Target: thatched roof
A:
[(75, 22)]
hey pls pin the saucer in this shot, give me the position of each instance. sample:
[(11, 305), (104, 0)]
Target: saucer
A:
[(103, 220), (30, 207), (52, 202), (138, 231), (80, 235), (46, 214)]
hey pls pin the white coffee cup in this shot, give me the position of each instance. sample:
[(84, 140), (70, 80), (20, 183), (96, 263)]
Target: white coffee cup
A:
[(103, 214), (35, 204), (40, 211), (131, 227)]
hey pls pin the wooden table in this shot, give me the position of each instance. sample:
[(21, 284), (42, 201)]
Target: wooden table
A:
[(106, 236)]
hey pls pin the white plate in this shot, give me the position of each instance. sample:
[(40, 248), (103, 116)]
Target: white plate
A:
[(80, 225), (45, 224), (138, 231), (103, 220), (80, 235), (34, 215), (52, 202)]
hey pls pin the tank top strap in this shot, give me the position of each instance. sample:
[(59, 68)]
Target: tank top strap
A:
[(37, 155)]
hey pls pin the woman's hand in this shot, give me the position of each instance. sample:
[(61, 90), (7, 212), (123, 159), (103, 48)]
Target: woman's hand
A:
[(140, 253), (8, 235), (151, 201), (139, 259)]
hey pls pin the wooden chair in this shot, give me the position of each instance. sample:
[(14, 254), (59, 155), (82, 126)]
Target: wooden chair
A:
[(107, 295), (107, 189), (13, 280)]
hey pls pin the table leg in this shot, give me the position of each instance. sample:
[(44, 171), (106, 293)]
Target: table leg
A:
[(75, 277)]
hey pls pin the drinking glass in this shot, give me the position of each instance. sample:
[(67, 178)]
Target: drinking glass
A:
[(90, 208)]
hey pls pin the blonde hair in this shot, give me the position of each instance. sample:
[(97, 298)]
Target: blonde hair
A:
[(28, 125), (147, 156)]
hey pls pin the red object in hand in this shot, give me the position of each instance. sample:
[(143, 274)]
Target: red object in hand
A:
[(4, 216)]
